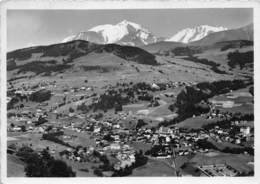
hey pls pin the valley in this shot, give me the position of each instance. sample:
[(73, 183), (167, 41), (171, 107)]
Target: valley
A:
[(109, 109)]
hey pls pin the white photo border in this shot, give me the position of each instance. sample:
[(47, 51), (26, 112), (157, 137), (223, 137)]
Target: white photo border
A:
[(127, 4)]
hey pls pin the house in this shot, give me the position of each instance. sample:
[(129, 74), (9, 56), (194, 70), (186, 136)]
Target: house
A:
[(238, 141), (165, 130), (17, 129), (168, 139), (245, 130), (132, 158), (97, 129), (155, 86), (115, 146), (224, 103), (116, 126), (39, 130)]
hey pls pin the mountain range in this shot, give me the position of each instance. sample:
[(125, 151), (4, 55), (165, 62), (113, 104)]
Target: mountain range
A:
[(152, 60), (133, 34)]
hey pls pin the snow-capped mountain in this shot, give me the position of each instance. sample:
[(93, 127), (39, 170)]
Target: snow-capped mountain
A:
[(242, 33), (125, 33), (193, 34)]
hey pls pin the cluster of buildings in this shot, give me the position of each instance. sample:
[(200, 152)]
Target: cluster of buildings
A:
[(113, 139), (217, 170), (81, 154), (234, 134)]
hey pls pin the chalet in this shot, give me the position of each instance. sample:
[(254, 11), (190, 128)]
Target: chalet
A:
[(223, 103), (115, 146), (97, 130), (17, 129), (245, 130), (155, 86), (165, 131), (116, 126)]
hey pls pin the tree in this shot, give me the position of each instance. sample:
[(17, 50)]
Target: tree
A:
[(24, 152), (40, 121), (98, 172), (140, 159), (140, 123), (44, 165), (71, 110), (123, 171), (46, 155), (41, 95), (23, 128), (35, 166), (58, 168), (118, 107), (108, 138)]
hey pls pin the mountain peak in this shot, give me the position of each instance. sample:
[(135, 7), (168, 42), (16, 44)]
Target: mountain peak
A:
[(196, 33), (126, 23), (212, 27), (124, 32)]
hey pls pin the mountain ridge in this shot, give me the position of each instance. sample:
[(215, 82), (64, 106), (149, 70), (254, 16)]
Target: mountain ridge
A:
[(188, 35), (242, 33), (72, 50), (124, 33)]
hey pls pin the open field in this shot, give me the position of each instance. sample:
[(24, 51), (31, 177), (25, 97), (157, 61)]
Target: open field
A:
[(154, 168), (242, 99), (15, 167), (195, 122)]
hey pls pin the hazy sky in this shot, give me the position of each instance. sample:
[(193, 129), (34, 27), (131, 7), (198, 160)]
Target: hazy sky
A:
[(40, 27)]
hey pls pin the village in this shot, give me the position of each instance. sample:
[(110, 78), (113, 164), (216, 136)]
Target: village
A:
[(111, 138)]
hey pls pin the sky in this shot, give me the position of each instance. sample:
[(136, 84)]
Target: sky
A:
[(27, 28)]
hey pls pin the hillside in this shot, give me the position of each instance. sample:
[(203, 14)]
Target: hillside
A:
[(59, 57), (169, 59)]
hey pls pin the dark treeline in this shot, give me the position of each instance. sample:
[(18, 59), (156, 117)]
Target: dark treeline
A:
[(189, 98), (54, 138), (129, 53), (120, 95), (240, 59), (43, 164), (101, 69), (214, 66), (40, 96), (45, 67), (205, 144), (234, 44)]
